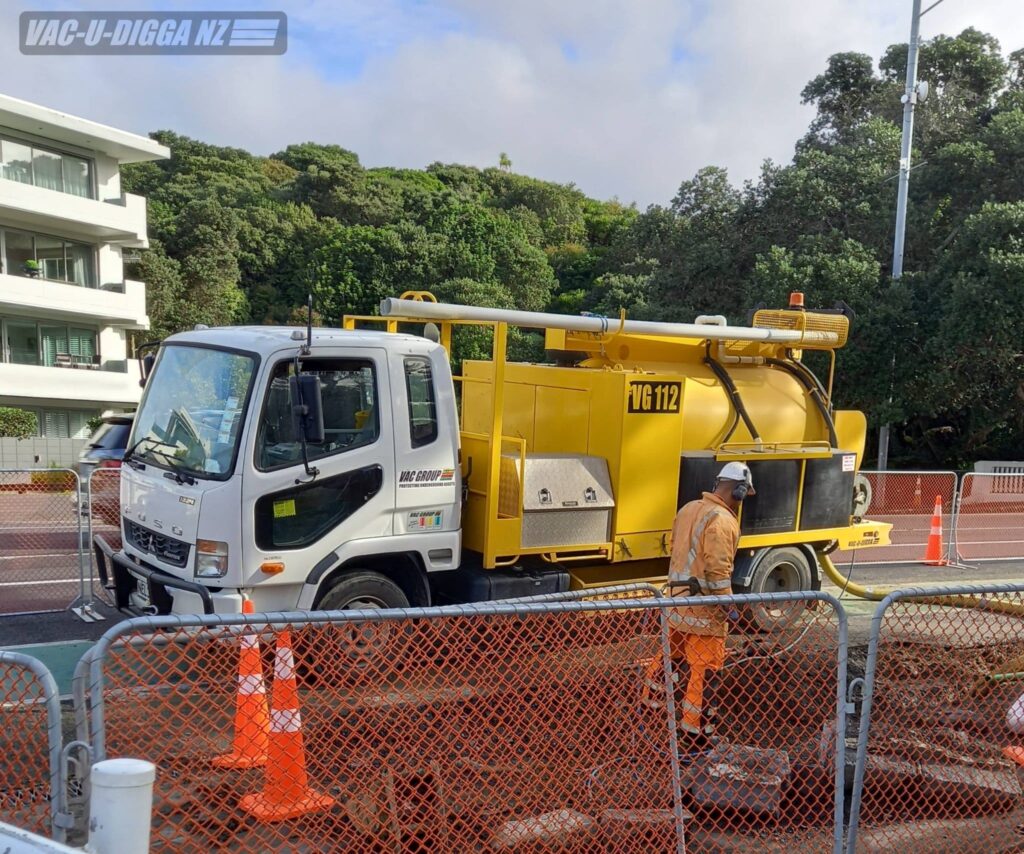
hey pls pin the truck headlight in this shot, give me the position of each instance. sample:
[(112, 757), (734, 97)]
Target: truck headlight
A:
[(211, 559)]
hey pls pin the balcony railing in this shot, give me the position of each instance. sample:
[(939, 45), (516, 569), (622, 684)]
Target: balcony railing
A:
[(90, 363)]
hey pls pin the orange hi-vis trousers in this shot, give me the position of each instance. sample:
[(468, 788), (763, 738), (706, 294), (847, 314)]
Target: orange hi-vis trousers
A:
[(701, 654)]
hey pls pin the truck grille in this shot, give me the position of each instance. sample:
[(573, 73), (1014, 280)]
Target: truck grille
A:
[(167, 549)]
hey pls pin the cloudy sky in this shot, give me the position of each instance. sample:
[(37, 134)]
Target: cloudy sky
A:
[(623, 97)]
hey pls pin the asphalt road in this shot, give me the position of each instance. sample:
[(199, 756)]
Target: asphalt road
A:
[(860, 611), (62, 626)]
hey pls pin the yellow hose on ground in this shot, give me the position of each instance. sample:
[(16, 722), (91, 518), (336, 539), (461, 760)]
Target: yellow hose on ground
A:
[(877, 594)]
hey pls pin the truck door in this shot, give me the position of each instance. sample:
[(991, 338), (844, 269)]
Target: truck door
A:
[(297, 519), (427, 491)]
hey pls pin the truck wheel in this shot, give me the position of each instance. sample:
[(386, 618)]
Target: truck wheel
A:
[(783, 570), (362, 590)]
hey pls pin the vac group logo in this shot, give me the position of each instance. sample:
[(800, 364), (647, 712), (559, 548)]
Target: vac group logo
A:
[(143, 33)]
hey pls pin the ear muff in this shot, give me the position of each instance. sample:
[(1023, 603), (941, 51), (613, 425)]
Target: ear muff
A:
[(741, 490)]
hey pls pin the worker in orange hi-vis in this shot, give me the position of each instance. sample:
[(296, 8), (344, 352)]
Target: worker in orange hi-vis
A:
[(704, 538)]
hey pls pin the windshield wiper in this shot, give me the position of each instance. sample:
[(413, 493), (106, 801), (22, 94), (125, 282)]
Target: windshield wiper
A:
[(179, 474), (127, 458)]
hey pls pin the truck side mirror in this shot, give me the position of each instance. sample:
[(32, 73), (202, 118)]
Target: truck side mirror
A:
[(147, 368), (308, 406)]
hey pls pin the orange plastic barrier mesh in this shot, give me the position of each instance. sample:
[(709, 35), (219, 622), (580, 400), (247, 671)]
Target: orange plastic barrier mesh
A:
[(40, 540), (990, 518), (478, 732), (24, 756), (906, 501), (936, 778)]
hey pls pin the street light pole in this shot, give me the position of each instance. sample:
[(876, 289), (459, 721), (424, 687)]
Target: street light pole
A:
[(909, 102)]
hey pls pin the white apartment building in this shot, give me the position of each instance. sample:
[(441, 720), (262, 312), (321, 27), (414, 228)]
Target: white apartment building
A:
[(65, 307)]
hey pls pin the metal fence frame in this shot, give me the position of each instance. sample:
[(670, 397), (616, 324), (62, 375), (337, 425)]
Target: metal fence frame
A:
[(82, 603), (54, 737), (92, 553), (869, 678), (89, 675), (954, 540), (869, 555)]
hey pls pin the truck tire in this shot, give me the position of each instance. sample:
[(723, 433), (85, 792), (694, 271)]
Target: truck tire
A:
[(361, 643), (782, 570)]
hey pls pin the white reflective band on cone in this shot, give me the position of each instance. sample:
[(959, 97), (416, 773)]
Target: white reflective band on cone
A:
[(284, 664), (251, 685), (250, 642), (285, 720)]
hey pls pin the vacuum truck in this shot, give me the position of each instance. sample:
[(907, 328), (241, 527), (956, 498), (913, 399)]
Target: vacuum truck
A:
[(349, 468)]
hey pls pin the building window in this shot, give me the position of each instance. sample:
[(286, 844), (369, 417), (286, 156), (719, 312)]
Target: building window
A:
[(62, 346), (65, 423), (41, 256), (62, 423), (22, 343), (46, 168)]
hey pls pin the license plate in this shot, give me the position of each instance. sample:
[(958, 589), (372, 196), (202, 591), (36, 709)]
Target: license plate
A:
[(142, 589)]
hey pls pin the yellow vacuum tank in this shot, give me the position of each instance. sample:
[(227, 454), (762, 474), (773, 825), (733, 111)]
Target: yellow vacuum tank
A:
[(662, 406)]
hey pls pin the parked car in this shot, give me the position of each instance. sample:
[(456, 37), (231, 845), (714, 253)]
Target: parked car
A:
[(105, 450)]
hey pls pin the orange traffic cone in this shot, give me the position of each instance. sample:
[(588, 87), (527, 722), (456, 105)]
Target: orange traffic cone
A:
[(933, 551), (252, 721), (1014, 754), (285, 792)]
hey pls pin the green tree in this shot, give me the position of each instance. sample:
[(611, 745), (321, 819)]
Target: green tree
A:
[(17, 423)]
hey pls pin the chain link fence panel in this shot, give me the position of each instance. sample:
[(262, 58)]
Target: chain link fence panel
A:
[(944, 669), (30, 746), (905, 499), (104, 505), (990, 517), (496, 727), (42, 558)]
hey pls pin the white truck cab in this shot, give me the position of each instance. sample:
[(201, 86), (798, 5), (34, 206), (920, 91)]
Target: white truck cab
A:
[(223, 491)]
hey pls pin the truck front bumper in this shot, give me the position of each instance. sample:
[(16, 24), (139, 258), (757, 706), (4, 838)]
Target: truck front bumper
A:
[(126, 575)]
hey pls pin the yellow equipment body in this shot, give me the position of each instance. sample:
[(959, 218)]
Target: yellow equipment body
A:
[(657, 411)]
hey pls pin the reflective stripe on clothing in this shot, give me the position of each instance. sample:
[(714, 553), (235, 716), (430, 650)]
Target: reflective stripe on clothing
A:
[(679, 618), (704, 538), (684, 573), (702, 654)]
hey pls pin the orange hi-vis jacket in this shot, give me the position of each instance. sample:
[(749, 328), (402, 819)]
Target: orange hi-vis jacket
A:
[(704, 538)]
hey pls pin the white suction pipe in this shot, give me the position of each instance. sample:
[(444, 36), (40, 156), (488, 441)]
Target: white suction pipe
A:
[(724, 357), (417, 310)]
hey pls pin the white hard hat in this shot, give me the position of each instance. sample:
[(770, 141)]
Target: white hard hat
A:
[(739, 472)]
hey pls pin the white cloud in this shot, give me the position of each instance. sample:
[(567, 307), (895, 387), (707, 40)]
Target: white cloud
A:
[(621, 118)]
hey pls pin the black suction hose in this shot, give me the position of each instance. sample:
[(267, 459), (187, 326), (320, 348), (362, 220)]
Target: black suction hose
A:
[(808, 373), (734, 395), (813, 389)]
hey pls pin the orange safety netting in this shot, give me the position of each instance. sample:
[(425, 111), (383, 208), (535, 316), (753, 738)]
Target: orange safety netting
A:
[(489, 732), (936, 776), (24, 752), (990, 517), (905, 500)]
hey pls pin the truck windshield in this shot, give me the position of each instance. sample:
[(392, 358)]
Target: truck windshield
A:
[(192, 412)]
